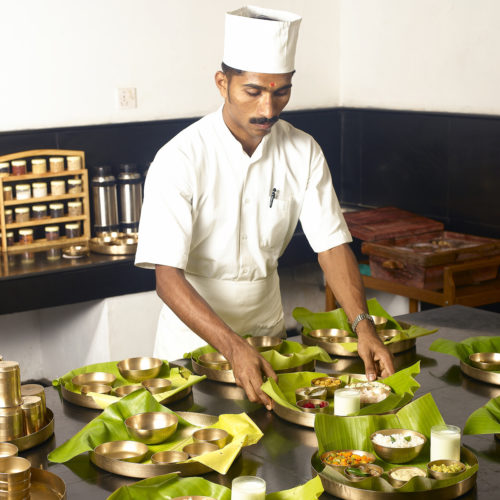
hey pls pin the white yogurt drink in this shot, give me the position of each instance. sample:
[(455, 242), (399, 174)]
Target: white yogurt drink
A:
[(445, 442), (248, 488), (346, 402)]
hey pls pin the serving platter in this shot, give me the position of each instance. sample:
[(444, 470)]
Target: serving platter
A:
[(479, 374), (349, 492), (138, 470), (46, 485), (31, 440)]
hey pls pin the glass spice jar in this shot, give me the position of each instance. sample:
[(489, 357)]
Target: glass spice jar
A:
[(7, 193), (39, 189), (56, 210), (51, 233), (74, 208), (74, 185), (57, 187), (10, 238), (56, 164), (4, 169), (22, 214), (9, 217), (18, 167), (72, 230), (39, 166), (39, 211), (25, 236), (23, 191), (74, 162)]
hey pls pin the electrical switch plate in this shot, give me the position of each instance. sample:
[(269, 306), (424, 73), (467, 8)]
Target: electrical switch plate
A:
[(127, 98)]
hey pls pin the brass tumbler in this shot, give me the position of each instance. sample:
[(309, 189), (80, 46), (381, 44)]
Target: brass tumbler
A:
[(11, 423), (36, 390), (10, 384), (15, 478), (32, 414)]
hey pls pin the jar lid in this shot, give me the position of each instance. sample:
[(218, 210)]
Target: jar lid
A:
[(4, 164), (7, 188), (56, 206), (30, 401), (39, 184), (39, 208), (52, 229), (10, 234), (8, 210), (72, 225), (25, 232), (18, 163), (128, 167), (56, 183), (22, 210), (39, 161), (74, 203), (103, 170), (23, 187), (56, 159), (74, 181), (8, 366)]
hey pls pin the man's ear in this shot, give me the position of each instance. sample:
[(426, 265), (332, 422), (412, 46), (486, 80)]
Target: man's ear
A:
[(222, 83)]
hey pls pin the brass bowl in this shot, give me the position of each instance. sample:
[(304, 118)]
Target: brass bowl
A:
[(334, 382), (139, 369), (98, 388), (370, 456), (265, 343), (127, 451), (379, 322), (126, 389), (304, 393), (93, 378), (8, 450), (152, 427), (444, 475), (199, 448), (489, 361), (325, 334), (397, 455), (215, 361), (14, 469), (157, 385), (169, 457), (397, 483), (219, 437), (302, 402), (386, 335), (371, 469)]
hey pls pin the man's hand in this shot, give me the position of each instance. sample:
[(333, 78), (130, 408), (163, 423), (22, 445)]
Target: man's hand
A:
[(375, 355)]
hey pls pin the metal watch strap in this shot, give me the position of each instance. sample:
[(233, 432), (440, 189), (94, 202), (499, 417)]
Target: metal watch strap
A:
[(361, 317)]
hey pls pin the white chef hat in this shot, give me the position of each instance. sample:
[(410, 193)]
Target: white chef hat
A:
[(261, 40)]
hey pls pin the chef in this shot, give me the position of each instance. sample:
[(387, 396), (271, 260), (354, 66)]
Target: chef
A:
[(222, 201)]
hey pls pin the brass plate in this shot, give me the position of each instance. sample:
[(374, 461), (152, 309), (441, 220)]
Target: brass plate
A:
[(118, 244), (88, 402), (150, 470), (38, 437), (46, 485), (478, 374), (352, 493)]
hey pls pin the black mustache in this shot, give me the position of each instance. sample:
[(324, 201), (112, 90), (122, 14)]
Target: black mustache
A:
[(264, 121)]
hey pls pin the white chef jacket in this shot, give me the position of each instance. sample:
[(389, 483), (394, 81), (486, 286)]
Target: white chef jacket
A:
[(207, 210)]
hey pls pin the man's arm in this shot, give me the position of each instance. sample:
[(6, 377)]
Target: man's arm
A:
[(343, 277), (247, 364)]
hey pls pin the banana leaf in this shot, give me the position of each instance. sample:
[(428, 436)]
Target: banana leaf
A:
[(170, 485), (180, 377), (301, 355), (402, 384), (462, 350), (110, 426), (485, 420), (338, 433)]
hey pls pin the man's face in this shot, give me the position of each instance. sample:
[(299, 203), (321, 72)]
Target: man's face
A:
[(253, 102)]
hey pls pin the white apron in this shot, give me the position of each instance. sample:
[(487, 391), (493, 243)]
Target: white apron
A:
[(248, 307)]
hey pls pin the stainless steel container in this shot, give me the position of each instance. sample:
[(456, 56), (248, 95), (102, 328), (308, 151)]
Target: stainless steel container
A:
[(104, 200), (130, 192)]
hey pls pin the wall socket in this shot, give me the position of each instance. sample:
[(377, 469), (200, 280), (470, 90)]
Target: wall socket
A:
[(126, 98)]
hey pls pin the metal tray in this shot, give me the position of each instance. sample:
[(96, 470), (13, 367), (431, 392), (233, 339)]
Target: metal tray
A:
[(142, 471), (478, 374), (46, 485), (446, 493), (117, 244), (31, 440), (88, 402)]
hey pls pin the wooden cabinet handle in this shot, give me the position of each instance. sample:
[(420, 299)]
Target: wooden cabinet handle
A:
[(393, 264)]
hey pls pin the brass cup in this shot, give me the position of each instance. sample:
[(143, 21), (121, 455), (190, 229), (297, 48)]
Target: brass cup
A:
[(325, 334), (8, 450), (219, 437), (11, 423), (152, 427), (397, 483), (304, 393), (444, 475), (127, 451), (386, 335), (169, 457), (10, 384), (199, 448), (14, 470), (398, 455), (93, 378), (215, 361), (98, 388), (489, 361), (125, 389), (330, 389), (32, 414), (379, 322), (139, 369), (302, 402), (36, 390), (265, 343), (157, 385)]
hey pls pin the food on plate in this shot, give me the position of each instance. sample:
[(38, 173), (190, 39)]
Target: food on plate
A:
[(327, 382), (397, 440), (451, 468), (309, 404), (347, 458), (406, 473), (371, 392), (363, 471)]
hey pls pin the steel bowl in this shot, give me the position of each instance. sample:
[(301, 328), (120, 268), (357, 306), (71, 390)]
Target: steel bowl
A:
[(98, 388), (325, 334), (331, 384), (215, 361), (128, 451), (370, 458), (444, 475), (302, 402), (212, 435), (386, 335), (489, 361), (157, 385), (123, 390), (93, 378), (397, 455), (371, 469), (397, 483), (199, 448), (265, 343), (139, 369), (304, 393), (152, 427), (379, 322), (169, 457), (8, 450)]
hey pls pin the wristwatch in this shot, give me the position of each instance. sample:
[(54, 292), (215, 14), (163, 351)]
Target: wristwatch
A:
[(361, 317)]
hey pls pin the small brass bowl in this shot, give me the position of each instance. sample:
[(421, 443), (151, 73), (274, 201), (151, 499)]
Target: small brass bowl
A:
[(199, 448), (324, 458), (489, 361), (371, 469), (386, 335), (331, 384), (139, 369), (215, 361), (398, 455), (212, 435), (444, 475), (169, 457), (324, 409), (98, 388), (152, 427), (14, 469), (126, 389), (304, 393), (8, 450), (397, 483), (325, 334), (93, 378), (128, 451), (75, 251), (157, 385), (265, 343), (379, 322)]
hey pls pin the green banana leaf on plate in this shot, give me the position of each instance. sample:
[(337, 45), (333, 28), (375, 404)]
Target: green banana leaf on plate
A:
[(340, 433), (485, 420), (402, 383), (170, 486), (110, 426)]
